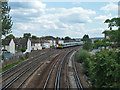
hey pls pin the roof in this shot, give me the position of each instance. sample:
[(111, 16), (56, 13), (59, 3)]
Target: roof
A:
[(35, 41), (16, 40), (23, 41), (7, 41)]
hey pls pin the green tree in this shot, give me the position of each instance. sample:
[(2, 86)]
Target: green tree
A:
[(110, 23), (115, 35), (27, 35), (34, 37), (10, 36), (104, 69), (6, 20), (67, 38), (87, 42)]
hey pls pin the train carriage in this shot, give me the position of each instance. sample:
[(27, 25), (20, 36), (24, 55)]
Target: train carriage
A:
[(69, 44)]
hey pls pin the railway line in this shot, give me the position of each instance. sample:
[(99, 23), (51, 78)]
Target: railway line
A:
[(12, 72), (55, 73), (77, 79), (30, 68)]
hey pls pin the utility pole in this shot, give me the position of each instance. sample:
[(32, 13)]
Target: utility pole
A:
[(0, 39), (119, 9)]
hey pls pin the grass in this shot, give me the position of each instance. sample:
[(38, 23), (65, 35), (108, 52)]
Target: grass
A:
[(12, 65), (9, 66)]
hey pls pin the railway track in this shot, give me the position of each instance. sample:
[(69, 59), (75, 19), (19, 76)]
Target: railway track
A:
[(78, 82), (58, 76), (51, 70), (19, 65), (36, 65), (61, 59), (16, 70)]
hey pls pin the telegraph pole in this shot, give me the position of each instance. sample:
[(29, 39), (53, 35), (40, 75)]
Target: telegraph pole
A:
[(119, 9)]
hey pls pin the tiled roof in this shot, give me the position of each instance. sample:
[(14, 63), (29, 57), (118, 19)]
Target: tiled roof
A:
[(7, 41)]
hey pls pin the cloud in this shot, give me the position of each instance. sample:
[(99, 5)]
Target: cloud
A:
[(42, 21), (103, 17), (110, 7)]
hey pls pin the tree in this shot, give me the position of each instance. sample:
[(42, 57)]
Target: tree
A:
[(114, 35), (67, 38), (86, 38), (27, 35), (34, 37), (87, 42), (104, 69), (10, 36), (6, 20), (110, 23)]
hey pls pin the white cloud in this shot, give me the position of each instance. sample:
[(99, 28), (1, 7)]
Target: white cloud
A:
[(110, 7), (103, 17), (53, 21)]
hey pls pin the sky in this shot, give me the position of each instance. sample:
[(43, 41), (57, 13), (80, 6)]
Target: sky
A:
[(60, 19)]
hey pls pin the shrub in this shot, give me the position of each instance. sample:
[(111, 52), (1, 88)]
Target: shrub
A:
[(26, 55), (82, 55), (21, 58), (22, 49), (105, 69)]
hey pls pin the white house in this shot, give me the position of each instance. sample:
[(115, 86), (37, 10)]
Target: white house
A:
[(46, 44), (52, 42), (36, 45), (60, 41), (29, 48), (10, 46)]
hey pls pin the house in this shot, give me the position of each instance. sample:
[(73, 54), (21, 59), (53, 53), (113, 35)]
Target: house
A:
[(36, 44), (59, 41), (96, 38), (46, 44), (23, 44), (108, 34), (10, 45), (51, 40)]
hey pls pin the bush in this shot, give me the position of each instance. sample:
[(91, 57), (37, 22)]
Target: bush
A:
[(21, 58), (22, 49), (105, 69), (87, 46), (82, 55), (26, 55)]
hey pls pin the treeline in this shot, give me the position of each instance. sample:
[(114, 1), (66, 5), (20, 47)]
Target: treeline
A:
[(28, 35)]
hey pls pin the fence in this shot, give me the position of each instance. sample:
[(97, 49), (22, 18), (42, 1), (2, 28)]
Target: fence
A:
[(17, 58)]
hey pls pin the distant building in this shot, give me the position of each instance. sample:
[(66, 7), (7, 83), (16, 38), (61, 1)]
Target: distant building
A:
[(36, 44), (10, 45), (96, 38), (15, 45)]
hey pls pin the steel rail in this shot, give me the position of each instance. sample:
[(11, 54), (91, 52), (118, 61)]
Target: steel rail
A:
[(51, 70), (23, 72), (29, 76), (78, 82), (20, 68), (57, 81), (26, 61)]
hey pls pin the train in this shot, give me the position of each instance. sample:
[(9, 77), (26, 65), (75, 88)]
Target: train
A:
[(69, 44)]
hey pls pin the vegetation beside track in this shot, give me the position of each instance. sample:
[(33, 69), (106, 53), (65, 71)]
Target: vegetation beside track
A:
[(16, 63), (102, 69)]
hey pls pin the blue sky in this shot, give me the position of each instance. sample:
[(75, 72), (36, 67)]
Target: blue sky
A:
[(61, 19)]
